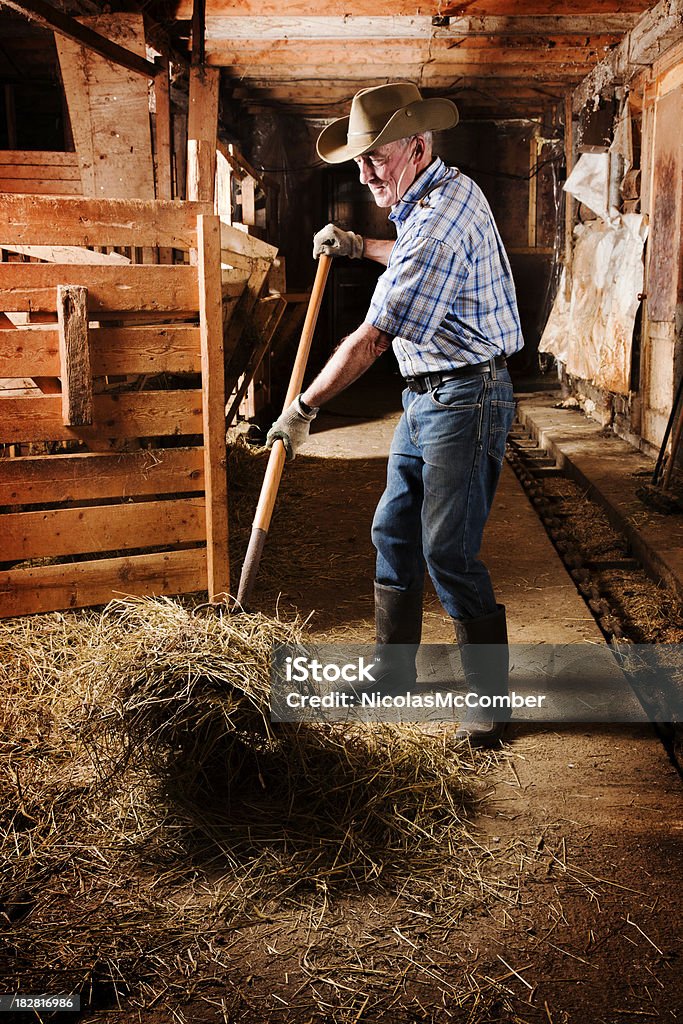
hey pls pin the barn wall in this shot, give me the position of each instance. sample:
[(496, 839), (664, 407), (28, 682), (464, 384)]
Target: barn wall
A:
[(653, 98)]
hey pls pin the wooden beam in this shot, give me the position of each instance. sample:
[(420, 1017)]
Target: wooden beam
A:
[(113, 350), (49, 17), (248, 191), (213, 406), (202, 133), (163, 131), (569, 208), (44, 588), (32, 287), (198, 32), (658, 30), (128, 414), (163, 148), (54, 533), (45, 220), (384, 27), (533, 191), (248, 53), (74, 355), (83, 476), (479, 9)]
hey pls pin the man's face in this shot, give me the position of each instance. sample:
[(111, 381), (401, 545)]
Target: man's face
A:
[(387, 169)]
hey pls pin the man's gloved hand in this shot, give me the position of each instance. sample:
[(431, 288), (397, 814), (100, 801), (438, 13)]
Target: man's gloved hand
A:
[(333, 241), (291, 428)]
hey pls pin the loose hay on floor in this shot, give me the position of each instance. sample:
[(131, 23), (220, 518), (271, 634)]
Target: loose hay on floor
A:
[(149, 807)]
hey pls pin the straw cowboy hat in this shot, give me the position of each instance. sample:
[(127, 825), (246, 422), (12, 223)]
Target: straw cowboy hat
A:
[(380, 115)]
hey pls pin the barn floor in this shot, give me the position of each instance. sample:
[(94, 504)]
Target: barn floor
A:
[(558, 906), (587, 818)]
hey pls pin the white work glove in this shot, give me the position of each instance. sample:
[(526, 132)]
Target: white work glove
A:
[(292, 428), (333, 241)]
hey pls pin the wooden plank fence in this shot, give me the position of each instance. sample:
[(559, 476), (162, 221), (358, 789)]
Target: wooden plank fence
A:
[(111, 488)]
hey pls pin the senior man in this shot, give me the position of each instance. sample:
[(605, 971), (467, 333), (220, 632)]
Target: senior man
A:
[(447, 304)]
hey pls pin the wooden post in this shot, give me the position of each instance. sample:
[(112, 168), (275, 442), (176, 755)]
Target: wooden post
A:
[(248, 186), (202, 133), (533, 190), (163, 158), (568, 200), (74, 355), (213, 405)]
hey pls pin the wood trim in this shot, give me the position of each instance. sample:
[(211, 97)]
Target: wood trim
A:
[(56, 533), (128, 414), (44, 220), (213, 393), (32, 286), (38, 479), (48, 587)]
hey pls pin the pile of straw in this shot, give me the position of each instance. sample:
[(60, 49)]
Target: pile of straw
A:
[(147, 802)]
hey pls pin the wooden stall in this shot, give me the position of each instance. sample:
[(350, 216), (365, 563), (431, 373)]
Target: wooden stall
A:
[(124, 491)]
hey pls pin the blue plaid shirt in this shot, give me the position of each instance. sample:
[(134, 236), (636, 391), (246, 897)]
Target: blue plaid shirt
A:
[(447, 297)]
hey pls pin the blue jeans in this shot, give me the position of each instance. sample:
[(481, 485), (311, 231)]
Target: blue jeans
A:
[(444, 464)]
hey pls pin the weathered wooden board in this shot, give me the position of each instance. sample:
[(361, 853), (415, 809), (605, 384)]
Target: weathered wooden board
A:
[(38, 479), (389, 26), (79, 584), (660, 27), (67, 254), (109, 111), (321, 52), (41, 186), (40, 172), (38, 158), (213, 402), (57, 172), (202, 127), (43, 220), (74, 355), (665, 273), (32, 286), (506, 9), (128, 414), (54, 533), (114, 350)]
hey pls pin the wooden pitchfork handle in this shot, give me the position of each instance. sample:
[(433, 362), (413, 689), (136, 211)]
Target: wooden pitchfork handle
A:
[(278, 455)]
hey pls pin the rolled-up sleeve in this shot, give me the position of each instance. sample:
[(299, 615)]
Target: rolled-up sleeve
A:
[(418, 289)]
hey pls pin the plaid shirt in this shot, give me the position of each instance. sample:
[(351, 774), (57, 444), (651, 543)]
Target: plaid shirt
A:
[(447, 297)]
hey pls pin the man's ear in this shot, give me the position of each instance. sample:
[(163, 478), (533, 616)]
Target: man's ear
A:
[(419, 147)]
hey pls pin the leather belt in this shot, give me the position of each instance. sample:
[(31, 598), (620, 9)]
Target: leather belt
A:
[(428, 381)]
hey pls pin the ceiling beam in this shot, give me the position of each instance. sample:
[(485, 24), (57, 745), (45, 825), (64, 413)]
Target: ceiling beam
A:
[(49, 17), (366, 54), (412, 8), (386, 27)]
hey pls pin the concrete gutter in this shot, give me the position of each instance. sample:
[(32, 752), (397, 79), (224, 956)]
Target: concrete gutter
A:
[(611, 471)]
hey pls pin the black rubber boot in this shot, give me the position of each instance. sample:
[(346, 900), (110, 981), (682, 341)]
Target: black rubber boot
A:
[(398, 631), (485, 660)]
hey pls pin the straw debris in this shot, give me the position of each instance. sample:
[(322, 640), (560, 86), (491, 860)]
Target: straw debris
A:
[(150, 811)]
